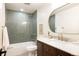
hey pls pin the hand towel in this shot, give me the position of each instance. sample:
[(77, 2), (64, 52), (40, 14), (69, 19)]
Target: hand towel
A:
[(5, 38), (0, 37)]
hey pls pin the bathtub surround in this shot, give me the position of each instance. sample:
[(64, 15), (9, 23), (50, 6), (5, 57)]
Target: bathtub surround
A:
[(21, 26), (22, 49)]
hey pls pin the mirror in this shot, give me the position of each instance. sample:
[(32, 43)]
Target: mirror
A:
[(52, 23), (65, 19)]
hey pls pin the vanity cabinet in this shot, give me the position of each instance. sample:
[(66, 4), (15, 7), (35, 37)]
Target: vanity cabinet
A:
[(46, 50)]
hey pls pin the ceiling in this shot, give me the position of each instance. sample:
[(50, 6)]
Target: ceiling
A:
[(27, 7)]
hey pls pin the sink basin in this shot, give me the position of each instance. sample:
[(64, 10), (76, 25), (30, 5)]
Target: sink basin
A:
[(71, 41)]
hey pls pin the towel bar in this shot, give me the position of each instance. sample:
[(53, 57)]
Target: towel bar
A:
[(2, 52)]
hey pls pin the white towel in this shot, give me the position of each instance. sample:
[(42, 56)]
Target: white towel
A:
[(0, 37), (5, 38)]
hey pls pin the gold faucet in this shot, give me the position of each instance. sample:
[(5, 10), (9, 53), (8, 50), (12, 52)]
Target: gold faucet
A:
[(60, 36)]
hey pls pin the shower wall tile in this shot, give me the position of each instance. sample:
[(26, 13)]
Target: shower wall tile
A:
[(21, 26)]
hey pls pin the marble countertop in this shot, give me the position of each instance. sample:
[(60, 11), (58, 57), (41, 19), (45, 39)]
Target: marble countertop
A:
[(62, 45)]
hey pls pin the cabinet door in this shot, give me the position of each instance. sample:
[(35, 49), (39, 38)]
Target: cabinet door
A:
[(39, 48), (62, 53), (46, 50), (49, 51)]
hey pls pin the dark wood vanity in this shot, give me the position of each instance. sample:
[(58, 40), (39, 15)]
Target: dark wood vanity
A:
[(47, 50)]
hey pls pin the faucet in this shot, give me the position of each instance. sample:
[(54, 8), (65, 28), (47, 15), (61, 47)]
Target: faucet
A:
[(50, 36), (60, 36)]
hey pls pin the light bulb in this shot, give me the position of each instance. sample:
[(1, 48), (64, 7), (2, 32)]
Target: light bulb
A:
[(21, 10)]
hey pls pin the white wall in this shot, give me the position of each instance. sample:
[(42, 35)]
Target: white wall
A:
[(43, 16)]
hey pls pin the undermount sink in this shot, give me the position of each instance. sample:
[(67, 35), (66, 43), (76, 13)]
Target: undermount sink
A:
[(68, 40), (71, 41)]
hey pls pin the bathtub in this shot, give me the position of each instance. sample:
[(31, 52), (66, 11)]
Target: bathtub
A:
[(22, 49)]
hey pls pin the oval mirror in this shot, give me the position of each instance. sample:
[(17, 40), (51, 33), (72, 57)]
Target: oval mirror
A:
[(52, 23)]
